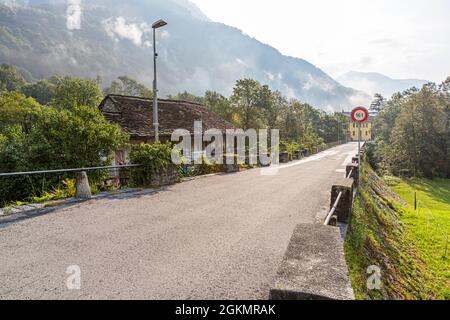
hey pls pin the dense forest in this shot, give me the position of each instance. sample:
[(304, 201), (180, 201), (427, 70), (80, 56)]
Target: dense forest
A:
[(413, 132)]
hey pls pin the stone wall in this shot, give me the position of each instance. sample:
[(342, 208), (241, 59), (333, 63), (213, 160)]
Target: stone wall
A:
[(165, 177)]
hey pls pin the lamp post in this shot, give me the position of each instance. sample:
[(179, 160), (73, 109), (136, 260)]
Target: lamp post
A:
[(156, 25)]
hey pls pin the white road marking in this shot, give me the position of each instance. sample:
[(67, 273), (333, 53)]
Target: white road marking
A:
[(348, 159), (309, 159)]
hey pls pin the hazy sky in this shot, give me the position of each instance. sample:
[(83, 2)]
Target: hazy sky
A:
[(399, 38)]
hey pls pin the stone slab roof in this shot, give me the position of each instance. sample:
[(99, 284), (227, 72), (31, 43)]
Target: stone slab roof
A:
[(135, 116)]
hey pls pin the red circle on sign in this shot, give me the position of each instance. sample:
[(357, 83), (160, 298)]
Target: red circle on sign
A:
[(360, 115)]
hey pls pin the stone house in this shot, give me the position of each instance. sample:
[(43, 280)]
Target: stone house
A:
[(135, 116)]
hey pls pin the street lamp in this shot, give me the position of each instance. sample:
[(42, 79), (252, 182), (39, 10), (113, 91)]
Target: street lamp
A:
[(156, 25)]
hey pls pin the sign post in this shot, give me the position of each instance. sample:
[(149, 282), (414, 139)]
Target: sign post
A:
[(360, 115)]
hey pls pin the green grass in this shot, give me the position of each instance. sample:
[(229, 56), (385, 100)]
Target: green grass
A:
[(380, 234), (355, 249), (429, 226)]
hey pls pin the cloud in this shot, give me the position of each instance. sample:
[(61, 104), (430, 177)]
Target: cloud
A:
[(14, 4), (241, 62), (269, 75), (385, 42), (165, 34), (73, 14), (359, 99), (312, 82), (118, 28)]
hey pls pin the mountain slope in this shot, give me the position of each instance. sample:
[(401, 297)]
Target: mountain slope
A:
[(372, 83), (113, 37)]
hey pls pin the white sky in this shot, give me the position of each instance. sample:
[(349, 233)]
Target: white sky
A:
[(399, 38)]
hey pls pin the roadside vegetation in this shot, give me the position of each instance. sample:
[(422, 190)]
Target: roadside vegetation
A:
[(54, 123), (386, 232), (401, 219), (412, 133), (429, 224)]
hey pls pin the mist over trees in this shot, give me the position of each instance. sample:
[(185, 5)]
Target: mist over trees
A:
[(255, 106)]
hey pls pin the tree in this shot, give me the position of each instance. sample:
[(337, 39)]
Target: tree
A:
[(273, 111), (267, 104), (57, 139), (79, 137), (186, 96), (42, 91), (114, 88), (246, 101), (73, 92), (10, 79), (418, 144), (218, 104), (16, 110), (378, 103), (129, 87)]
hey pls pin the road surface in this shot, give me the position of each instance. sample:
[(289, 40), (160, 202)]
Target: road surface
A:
[(218, 237)]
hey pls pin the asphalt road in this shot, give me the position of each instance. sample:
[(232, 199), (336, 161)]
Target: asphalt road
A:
[(219, 237)]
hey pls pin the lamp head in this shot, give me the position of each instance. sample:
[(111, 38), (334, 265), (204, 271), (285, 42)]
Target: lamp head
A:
[(159, 24)]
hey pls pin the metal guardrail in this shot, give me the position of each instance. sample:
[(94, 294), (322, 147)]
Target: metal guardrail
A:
[(12, 174), (333, 210)]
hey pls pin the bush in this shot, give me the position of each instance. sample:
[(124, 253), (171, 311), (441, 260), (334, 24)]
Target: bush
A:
[(154, 158), (290, 147), (45, 138)]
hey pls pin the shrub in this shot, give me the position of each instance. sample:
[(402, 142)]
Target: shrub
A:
[(44, 138), (154, 158), (290, 147)]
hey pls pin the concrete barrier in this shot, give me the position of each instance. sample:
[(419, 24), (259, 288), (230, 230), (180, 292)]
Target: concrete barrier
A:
[(352, 171), (313, 267), (344, 206)]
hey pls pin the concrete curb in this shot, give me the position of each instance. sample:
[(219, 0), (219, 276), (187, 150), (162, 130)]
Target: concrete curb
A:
[(11, 214)]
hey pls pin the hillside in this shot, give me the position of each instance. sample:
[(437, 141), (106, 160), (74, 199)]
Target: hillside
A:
[(372, 83), (113, 38)]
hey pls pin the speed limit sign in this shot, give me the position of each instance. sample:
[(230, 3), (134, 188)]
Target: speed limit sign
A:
[(360, 115)]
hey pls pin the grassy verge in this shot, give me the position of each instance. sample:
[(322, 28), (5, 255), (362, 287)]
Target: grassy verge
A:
[(380, 235), (429, 225)]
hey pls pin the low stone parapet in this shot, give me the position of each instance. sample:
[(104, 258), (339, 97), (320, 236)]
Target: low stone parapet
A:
[(297, 155), (313, 267), (344, 207), (165, 177), (284, 157), (352, 171), (231, 168)]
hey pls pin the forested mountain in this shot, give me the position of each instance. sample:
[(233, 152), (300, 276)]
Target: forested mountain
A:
[(372, 82), (110, 38)]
